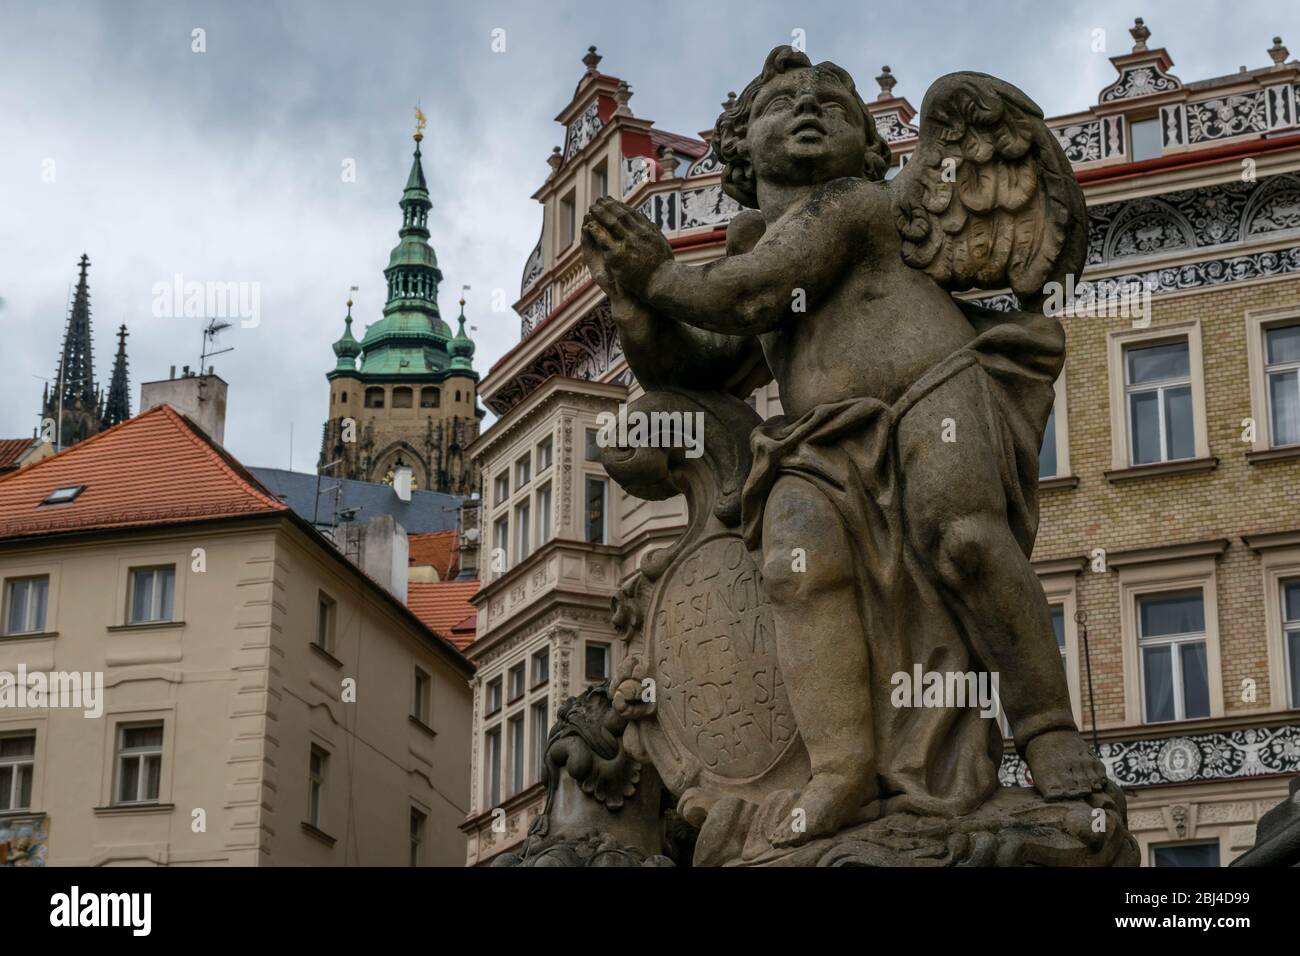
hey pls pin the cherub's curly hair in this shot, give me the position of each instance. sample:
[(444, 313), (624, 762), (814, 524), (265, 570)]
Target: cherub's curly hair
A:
[(732, 150)]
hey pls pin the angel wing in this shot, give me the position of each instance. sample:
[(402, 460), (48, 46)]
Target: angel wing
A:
[(988, 200)]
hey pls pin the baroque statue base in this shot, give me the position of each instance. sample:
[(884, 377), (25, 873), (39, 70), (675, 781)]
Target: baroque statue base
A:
[(1015, 827)]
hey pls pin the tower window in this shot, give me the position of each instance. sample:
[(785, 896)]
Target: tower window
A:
[(429, 397), (402, 398), (343, 396), (374, 398), (458, 395)]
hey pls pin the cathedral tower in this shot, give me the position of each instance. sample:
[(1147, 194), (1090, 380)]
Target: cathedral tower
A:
[(406, 394), (74, 409)]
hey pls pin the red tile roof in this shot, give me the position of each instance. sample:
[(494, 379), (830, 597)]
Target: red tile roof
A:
[(443, 607), (11, 449), (156, 468), (441, 549)]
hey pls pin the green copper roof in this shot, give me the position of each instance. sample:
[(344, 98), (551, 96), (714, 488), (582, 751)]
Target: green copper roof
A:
[(462, 346), (411, 338), (347, 348)]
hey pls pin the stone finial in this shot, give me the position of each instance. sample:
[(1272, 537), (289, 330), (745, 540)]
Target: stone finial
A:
[(1140, 35), (621, 96), (1278, 53), (668, 163), (886, 79), (730, 102), (554, 160), (591, 59)]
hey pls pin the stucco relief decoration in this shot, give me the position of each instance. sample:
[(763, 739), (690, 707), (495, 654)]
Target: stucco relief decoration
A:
[(532, 268), (706, 164), (582, 131), (891, 126), (537, 310), (1227, 116), (635, 170), (1217, 215), (590, 349), (1217, 756), (1148, 227), (707, 206), (1140, 81), (1081, 142), (1276, 208)]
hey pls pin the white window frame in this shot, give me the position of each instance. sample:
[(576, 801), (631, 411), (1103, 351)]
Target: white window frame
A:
[(491, 765), (31, 627), (1060, 408), (1061, 587), (604, 517), (544, 461), (15, 764), (1117, 345), (1159, 388), (327, 615), (1155, 577), (523, 472), (422, 695), (517, 751), (1261, 411), (539, 732), (545, 515), (155, 594), (417, 834), (140, 755), (1175, 643), (316, 781), (609, 660), (1278, 564), (523, 518)]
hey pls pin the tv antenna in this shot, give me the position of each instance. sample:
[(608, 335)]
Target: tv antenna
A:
[(214, 328)]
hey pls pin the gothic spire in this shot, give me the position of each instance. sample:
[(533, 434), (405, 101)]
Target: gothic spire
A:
[(76, 367), (118, 407)]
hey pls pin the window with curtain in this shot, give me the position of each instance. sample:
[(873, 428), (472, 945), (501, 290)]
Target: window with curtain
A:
[(1282, 368), (1171, 639)]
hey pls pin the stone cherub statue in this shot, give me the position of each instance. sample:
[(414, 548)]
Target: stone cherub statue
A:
[(892, 509)]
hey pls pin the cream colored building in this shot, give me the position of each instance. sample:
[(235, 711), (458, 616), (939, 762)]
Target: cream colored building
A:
[(1170, 484), (264, 702)]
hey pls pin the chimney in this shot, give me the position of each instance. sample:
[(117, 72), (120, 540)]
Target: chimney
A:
[(402, 482), (380, 548), (201, 398), (469, 538)]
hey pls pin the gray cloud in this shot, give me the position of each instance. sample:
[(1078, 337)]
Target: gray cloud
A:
[(225, 166)]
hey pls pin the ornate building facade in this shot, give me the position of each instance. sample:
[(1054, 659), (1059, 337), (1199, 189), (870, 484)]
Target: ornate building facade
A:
[(406, 394), (1169, 539), (74, 409)]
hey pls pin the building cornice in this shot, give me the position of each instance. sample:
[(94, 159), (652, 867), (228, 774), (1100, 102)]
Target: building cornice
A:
[(557, 392)]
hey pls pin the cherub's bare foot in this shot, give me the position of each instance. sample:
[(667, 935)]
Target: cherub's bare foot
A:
[(824, 806), (1062, 765)]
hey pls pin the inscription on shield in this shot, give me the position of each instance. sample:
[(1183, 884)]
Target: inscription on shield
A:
[(721, 696)]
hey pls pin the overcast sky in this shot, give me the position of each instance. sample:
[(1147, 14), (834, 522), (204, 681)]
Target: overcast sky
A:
[(226, 165)]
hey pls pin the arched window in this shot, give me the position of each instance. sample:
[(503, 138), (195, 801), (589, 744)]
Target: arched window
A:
[(429, 397), (374, 398), (343, 397), (402, 397), (458, 395)]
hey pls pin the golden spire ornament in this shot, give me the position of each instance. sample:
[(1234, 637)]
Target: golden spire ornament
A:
[(420, 123)]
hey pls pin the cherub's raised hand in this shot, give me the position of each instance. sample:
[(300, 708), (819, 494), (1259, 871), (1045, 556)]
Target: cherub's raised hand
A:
[(629, 246)]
